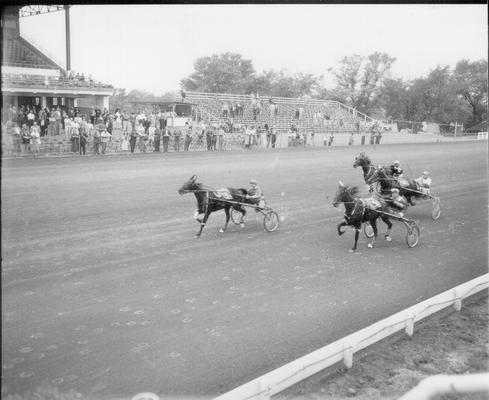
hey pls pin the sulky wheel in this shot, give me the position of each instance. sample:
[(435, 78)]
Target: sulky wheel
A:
[(435, 210), (270, 221), (412, 237), (236, 216), (368, 230)]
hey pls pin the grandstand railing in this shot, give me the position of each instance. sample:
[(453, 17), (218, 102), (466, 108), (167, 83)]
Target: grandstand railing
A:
[(265, 386)]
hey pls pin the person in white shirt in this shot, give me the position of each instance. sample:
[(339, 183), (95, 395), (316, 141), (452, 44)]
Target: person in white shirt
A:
[(424, 182), (35, 139), (30, 118)]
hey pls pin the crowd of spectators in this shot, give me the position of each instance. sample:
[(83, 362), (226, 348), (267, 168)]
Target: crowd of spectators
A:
[(144, 131)]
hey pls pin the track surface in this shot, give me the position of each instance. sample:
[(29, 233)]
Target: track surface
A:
[(105, 290)]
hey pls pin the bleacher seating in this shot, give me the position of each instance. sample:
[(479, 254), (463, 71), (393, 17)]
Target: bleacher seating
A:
[(42, 81), (333, 115)]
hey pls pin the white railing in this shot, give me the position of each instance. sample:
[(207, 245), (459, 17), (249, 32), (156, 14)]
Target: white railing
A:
[(281, 378)]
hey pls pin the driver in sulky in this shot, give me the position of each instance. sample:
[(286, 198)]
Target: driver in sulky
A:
[(255, 194)]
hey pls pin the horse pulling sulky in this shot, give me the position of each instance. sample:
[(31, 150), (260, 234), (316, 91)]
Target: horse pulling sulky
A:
[(232, 200), (366, 211)]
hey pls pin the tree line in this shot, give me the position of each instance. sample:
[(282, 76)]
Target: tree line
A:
[(361, 82)]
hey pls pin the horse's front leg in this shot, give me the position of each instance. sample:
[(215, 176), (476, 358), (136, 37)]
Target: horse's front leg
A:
[(340, 232), (357, 234), (389, 227), (202, 224), (226, 210), (373, 223)]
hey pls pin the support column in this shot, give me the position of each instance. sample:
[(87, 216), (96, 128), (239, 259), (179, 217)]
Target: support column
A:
[(44, 102)]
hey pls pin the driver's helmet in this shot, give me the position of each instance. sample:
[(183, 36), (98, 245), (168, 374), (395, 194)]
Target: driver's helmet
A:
[(397, 163), (253, 182)]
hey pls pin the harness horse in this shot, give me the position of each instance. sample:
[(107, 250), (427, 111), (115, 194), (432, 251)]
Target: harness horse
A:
[(362, 210), (233, 201), (210, 200)]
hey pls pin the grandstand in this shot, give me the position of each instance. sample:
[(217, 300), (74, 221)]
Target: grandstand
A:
[(33, 79)]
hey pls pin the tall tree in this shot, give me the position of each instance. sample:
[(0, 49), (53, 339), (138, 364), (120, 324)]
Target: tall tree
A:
[(359, 79), (471, 85), (220, 73)]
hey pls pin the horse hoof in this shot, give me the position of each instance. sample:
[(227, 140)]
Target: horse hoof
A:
[(370, 245), (388, 238), (196, 236), (351, 251), (241, 225), (221, 230)]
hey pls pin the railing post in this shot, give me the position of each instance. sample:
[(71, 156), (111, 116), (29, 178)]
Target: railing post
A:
[(410, 324), (348, 355), (458, 301), (264, 390)]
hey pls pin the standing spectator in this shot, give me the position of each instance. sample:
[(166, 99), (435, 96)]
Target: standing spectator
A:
[(92, 116), (248, 137), (134, 137), (52, 123), (351, 140), (97, 135), (16, 139), (57, 118), (105, 136), (30, 117), (363, 137), (188, 137), (151, 136), (35, 140), (157, 138), (221, 134), (273, 135), (208, 138), (141, 132), (83, 136), (26, 138), (43, 121), (379, 136), (166, 139), (177, 137), (225, 109), (267, 135), (214, 137), (312, 137), (75, 138), (331, 138)]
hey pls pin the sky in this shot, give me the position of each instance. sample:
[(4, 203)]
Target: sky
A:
[(153, 47)]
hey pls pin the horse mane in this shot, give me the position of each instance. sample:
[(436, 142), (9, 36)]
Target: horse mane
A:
[(353, 190), (363, 156)]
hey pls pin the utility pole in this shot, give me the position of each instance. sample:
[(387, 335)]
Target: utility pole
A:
[(67, 29)]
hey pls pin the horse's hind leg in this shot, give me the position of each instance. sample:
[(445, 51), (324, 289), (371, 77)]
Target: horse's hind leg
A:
[(389, 227), (226, 210), (243, 215)]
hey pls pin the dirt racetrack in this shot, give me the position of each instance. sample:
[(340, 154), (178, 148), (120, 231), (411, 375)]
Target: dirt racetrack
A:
[(105, 290)]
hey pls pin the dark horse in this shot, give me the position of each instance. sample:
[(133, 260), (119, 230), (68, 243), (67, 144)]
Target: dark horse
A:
[(359, 210), (367, 167), (388, 182), (210, 200)]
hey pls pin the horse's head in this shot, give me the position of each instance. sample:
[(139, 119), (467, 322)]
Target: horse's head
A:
[(189, 185), (361, 160), (344, 194)]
